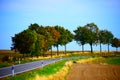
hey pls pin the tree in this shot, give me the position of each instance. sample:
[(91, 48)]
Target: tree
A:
[(46, 37), (102, 36), (81, 36), (54, 35), (24, 42), (68, 37), (116, 43), (50, 34), (108, 38), (92, 34), (61, 30), (38, 46), (34, 26)]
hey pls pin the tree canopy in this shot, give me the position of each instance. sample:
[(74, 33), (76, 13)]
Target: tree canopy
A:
[(102, 36), (65, 37), (80, 36), (116, 43), (93, 34), (38, 39), (24, 41)]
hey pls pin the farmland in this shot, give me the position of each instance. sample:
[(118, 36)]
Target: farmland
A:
[(101, 62)]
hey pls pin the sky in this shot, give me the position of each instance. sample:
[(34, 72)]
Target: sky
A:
[(17, 15)]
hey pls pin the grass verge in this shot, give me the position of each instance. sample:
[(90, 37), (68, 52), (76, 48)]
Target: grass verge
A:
[(45, 71), (114, 60), (58, 71)]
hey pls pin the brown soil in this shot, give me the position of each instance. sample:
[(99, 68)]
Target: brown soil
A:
[(94, 72)]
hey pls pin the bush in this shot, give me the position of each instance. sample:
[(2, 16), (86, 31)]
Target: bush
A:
[(74, 62), (5, 58)]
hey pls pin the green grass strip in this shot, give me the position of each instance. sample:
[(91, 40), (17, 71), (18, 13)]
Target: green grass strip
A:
[(114, 60), (45, 71)]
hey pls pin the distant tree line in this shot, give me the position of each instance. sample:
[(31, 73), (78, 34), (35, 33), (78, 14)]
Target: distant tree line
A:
[(38, 39)]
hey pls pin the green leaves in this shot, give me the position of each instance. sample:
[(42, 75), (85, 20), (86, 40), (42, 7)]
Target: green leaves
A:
[(91, 34), (65, 36), (116, 43), (38, 39), (87, 34), (24, 41), (81, 35), (48, 36), (102, 36)]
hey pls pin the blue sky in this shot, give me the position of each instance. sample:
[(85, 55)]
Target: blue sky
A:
[(17, 15)]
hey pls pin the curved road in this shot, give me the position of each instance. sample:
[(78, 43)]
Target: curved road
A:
[(4, 72)]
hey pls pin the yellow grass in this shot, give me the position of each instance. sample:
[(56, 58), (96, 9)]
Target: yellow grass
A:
[(60, 75), (90, 60)]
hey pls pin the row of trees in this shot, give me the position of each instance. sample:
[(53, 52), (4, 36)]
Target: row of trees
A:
[(38, 39), (90, 34)]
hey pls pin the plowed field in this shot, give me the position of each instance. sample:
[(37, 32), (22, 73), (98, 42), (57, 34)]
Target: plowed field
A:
[(94, 72)]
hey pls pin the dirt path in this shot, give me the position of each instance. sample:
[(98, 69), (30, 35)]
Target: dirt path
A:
[(94, 72)]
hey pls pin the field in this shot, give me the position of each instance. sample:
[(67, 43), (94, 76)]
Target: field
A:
[(99, 68), (94, 72), (94, 67)]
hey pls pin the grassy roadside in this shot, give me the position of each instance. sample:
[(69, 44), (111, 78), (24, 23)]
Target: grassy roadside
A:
[(56, 70), (8, 57), (45, 71), (29, 59)]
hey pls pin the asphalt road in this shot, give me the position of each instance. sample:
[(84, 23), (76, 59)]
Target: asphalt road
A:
[(4, 72)]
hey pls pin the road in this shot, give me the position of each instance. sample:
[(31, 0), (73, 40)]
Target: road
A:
[(4, 72)]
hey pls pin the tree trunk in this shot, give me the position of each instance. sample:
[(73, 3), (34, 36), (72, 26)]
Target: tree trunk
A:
[(108, 48), (65, 49), (51, 52), (23, 56), (82, 48), (100, 48), (91, 48), (43, 53), (116, 49), (57, 50)]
